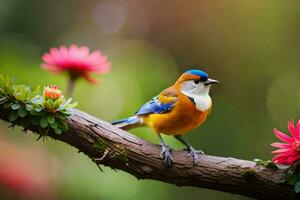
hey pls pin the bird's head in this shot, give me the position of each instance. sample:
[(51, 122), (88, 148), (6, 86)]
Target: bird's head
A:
[(195, 82)]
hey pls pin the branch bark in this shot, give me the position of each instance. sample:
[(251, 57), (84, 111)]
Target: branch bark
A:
[(118, 149)]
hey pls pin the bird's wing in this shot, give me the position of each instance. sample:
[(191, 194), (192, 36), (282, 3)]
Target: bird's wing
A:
[(162, 103)]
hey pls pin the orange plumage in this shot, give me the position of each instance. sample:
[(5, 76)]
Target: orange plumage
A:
[(176, 110), (183, 117)]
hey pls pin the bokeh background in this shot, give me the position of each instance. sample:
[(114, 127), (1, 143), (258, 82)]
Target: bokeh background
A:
[(251, 46)]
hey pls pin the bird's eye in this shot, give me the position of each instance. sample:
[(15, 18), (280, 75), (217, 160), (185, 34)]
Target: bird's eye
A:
[(196, 81)]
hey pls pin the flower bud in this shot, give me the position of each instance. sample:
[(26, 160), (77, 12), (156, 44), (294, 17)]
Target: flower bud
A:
[(52, 92)]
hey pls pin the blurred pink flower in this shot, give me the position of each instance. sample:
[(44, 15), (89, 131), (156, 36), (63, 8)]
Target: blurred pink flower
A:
[(25, 172), (77, 61), (289, 151)]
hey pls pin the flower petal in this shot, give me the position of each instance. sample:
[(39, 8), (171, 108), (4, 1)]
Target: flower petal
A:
[(298, 130), (73, 51), (291, 127), (64, 52), (103, 68), (280, 145), (285, 150), (94, 58), (47, 58), (87, 77), (55, 53), (279, 159), (83, 52), (51, 68), (282, 158), (283, 136), (293, 159)]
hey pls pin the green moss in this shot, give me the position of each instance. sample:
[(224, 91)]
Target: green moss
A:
[(122, 154), (267, 163), (100, 145)]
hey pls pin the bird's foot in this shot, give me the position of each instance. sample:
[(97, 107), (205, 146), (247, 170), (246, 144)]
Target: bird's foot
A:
[(166, 155), (193, 154)]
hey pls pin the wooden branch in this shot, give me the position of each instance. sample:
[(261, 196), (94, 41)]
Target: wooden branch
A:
[(118, 149)]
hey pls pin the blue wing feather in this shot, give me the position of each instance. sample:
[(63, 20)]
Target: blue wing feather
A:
[(155, 106)]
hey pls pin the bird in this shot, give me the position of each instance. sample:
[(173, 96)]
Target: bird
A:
[(175, 111)]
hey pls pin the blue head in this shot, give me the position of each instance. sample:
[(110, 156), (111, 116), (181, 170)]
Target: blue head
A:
[(196, 76), (196, 85), (202, 75), (195, 81)]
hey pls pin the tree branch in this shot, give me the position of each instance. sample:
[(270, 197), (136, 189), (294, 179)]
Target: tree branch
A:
[(118, 149)]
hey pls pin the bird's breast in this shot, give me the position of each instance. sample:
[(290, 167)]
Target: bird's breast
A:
[(181, 119), (202, 102)]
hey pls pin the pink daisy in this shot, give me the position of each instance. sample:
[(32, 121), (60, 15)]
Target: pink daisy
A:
[(289, 151), (77, 61)]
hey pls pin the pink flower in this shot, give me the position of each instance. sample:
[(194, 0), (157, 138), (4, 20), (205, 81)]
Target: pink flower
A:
[(289, 151), (77, 61)]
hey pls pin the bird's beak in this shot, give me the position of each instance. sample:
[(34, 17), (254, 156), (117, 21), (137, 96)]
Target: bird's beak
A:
[(210, 81)]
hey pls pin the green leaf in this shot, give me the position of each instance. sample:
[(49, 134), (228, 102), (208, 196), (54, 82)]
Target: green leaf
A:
[(13, 116), (29, 107), (44, 122), (47, 105), (37, 100), (35, 121), (36, 91), (54, 125), (65, 113), (15, 106), (61, 116), (297, 187), (57, 131), (2, 79), (40, 113), (68, 101), (2, 99), (2, 102), (56, 104), (63, 125), (22, 112), (51, 119), (72, 105), (38, 109)]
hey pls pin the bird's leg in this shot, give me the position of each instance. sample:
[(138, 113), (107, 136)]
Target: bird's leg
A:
[(192, 152), (165, 153)]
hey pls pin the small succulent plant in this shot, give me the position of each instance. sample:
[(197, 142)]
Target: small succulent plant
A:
[(46, 110)]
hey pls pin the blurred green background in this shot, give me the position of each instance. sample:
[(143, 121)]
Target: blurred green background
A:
[(251, 46)]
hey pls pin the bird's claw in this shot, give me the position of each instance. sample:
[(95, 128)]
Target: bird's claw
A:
[(193, 154), (166, 155)]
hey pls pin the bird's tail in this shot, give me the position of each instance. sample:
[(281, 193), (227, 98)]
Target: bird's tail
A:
[(128, 123)]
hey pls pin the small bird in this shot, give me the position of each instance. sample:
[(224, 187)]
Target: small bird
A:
[(175, 111)]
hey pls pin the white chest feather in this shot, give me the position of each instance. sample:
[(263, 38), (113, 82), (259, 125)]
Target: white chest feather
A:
[(202, 102)]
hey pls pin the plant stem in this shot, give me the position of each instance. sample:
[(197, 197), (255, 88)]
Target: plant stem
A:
[(70, 86)]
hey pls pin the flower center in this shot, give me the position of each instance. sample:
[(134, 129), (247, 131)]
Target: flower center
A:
[(296, 145), (52, 92)]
